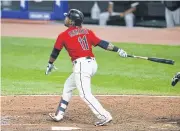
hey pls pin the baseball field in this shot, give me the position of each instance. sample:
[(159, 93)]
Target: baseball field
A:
[(138, 93)]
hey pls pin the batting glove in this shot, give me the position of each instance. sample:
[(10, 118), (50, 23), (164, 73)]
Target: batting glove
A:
[(175, 79), (122, 53), (50, 67)]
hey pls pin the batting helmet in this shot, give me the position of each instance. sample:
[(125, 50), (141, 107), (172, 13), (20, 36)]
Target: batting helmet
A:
[(76, 16)]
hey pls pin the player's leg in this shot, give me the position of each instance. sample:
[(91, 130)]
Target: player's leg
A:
[(176, 16), (103, 18), (69, 86), (169, 18), (83, 83), (129, 20)]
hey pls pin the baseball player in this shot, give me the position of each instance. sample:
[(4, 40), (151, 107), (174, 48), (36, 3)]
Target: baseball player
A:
[(78, 42), (172, 13), (175, 79)]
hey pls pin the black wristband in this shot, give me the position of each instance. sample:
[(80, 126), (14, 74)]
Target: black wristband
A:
[(50, 62), (115, 49)]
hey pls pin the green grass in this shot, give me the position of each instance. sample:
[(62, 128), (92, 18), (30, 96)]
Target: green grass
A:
[(24, 61)]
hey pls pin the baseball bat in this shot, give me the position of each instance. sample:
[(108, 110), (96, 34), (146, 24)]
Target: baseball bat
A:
[(154, 59)]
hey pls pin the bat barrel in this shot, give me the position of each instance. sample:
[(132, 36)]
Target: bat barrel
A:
[(161, 60)]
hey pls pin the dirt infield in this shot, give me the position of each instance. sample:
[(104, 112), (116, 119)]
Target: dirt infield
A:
[(130, 113)]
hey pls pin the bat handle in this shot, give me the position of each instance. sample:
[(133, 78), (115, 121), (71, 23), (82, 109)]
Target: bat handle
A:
[(130, 56)]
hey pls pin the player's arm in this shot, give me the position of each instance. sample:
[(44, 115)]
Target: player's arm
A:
[(106, 45), (54, 54), (131, 9), (110, 47)]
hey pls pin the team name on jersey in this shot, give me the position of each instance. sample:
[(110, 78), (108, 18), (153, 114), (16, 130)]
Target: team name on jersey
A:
[(77, 32)]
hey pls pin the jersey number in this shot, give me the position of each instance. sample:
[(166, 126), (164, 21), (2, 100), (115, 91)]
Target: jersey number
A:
[(83, 42)]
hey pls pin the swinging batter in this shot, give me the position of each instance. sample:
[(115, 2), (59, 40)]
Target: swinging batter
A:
[(78, 42)]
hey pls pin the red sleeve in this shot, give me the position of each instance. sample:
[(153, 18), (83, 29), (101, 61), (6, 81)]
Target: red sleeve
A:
[(94, 39), (59, 42)]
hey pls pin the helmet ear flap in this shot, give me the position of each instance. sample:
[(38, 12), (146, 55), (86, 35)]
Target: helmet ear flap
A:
[(72, 22), (78, 22)]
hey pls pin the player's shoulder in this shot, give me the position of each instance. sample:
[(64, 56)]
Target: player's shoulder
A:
[(89, 30)]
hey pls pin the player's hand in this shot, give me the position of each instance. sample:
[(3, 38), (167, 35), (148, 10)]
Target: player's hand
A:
[(121, 14), (122, 53), (50, 67), (175, 79)]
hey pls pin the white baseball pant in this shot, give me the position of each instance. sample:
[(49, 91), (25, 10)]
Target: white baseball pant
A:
[(172, 17), (83, 70)]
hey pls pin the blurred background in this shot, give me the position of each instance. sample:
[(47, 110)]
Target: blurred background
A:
[(34, 25), (159, 14)]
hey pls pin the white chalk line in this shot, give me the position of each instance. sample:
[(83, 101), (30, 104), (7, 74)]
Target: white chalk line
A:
[(96, 95), (20, 124), (59, 128), (54, 128)]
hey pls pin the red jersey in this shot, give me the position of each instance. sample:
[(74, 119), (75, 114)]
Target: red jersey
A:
[(77, 41)]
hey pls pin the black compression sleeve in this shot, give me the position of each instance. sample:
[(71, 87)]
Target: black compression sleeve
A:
[(108, 46), (103, 44), (55, 53)]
